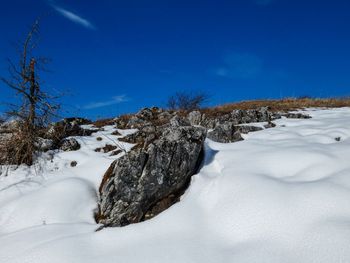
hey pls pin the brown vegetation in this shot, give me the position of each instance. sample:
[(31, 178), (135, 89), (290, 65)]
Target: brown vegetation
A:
[(286, 104), (103, 122)]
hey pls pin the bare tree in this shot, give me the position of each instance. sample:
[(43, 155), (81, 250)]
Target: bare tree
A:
[(187, 100), (35, 107)]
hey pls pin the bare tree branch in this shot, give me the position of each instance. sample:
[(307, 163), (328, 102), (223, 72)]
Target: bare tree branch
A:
[(35, 108)]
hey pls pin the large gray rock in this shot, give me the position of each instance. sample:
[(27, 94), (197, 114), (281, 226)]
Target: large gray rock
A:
[(69, 144), (225, 133), (148, 180), (247, 116), (44, 144), (235, 117), (147, 134), (229, 132), (195, 117)]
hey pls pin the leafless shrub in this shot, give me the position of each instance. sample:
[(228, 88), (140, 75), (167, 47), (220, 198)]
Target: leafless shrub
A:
[(187, 100), (34, 109)]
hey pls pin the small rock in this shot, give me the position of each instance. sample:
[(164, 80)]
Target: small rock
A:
[(116, 132), (290, 115), (270, 124), (107, 148)]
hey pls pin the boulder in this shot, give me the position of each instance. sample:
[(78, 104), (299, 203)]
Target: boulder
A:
[(147, 134), (225, 133), (247, 116), (44, 144), (229, 132), (148, 180), (195, 117), (69, 144)]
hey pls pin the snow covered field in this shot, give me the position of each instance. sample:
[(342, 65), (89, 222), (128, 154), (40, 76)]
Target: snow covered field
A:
[(281, 195)]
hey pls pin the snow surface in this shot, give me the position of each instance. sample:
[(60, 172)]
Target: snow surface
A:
[(281, 195)]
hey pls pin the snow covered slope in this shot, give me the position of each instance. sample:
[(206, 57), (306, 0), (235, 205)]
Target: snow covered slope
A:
[(281, 195)]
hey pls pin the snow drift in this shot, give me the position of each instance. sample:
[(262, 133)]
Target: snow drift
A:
[(281, 195)]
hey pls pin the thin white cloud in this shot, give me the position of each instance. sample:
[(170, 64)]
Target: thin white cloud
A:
[(240, 65), (74, 17), (100, 104)]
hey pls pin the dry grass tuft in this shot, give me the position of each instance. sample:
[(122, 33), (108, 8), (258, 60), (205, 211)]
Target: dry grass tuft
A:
[(103, 122), (286, 104), (19, 147)]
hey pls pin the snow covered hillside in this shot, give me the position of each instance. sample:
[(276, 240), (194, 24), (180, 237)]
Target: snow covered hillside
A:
[(281, 195)]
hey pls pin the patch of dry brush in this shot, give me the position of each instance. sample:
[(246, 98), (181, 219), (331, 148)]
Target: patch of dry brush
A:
[(286, 104)]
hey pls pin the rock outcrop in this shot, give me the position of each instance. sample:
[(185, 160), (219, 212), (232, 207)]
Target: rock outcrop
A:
[(146, 117), (148, 180), (235, 117), (66, 128), (168, 151)]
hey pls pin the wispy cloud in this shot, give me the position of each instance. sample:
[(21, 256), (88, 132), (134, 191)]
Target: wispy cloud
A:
[(240, 65), (74, 17), (263, 2), (248, 66), (100, 104)]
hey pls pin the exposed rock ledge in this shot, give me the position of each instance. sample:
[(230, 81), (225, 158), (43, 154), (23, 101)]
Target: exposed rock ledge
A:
[(148, 180)]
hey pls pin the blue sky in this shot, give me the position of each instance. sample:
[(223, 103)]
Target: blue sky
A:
[(112, 57)]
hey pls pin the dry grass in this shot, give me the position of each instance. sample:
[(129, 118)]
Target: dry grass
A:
[(286, 104), (103, 122), (19, 148)]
